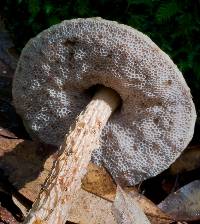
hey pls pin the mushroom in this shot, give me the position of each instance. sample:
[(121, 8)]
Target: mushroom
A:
[(56, 72)]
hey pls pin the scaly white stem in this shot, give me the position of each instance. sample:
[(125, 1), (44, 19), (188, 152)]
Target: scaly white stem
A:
[(54, 201)]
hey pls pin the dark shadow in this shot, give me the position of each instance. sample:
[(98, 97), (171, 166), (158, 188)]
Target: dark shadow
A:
[(159, 187), (22, 165), (8, 204), (25, 162), (9, 119), (68, 222), (6, 192)]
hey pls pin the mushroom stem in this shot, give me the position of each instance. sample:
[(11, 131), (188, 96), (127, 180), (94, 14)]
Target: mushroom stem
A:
[(55, 199)]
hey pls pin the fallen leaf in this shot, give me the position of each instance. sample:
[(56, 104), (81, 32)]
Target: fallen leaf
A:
[(127, 210), (184, 204), (90, 209), (154, 214), (99, 182), (21, 160), (7, 217), (23, 163), (27, 165), (6, 134)]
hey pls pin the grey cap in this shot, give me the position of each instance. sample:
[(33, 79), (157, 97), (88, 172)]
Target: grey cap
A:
[(156, 120)]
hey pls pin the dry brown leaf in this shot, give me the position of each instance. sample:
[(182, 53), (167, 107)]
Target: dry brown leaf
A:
[(90, 209), (188, 161), (155, 215), (7, 217), (8, 145), (99, 182), (23, 162), (27, 167), (127, 210), (184, 204), (6, 134)]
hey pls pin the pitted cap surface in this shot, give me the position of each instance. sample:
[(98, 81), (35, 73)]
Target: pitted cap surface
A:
[(157, 116)]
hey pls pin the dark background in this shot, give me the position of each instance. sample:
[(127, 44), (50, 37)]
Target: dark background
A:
[(174, 25)]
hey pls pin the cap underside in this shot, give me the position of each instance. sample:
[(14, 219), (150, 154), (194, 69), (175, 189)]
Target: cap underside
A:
[(157, 117)]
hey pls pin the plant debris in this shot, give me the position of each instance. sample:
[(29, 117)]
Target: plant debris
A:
[(24, 166), (127, 210), (184, 204)]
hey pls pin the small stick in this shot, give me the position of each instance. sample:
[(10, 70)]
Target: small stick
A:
[(54, 201)]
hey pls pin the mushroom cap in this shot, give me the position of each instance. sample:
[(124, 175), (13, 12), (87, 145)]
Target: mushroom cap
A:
[(156, 120)]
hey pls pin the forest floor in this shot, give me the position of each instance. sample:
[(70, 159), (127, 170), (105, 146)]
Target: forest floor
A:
[(25, 164)]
